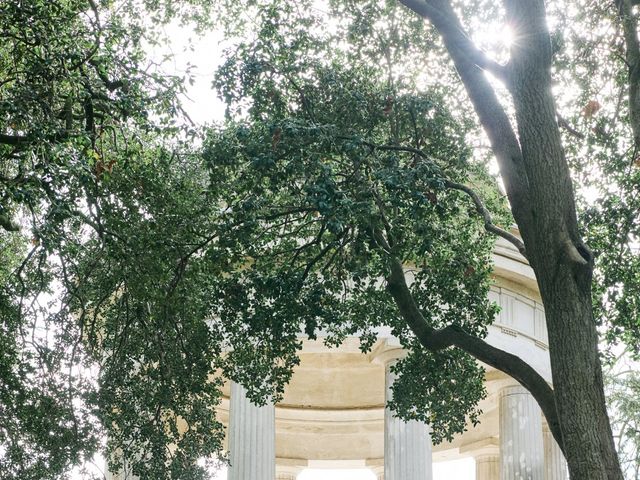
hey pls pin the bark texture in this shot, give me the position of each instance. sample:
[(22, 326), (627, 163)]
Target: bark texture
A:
[(629, 24), (539, 187)]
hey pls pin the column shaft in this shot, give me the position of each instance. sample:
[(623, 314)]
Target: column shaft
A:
[(407, 445), (251, 438), (488, 467), (555, 465), (521, 450)]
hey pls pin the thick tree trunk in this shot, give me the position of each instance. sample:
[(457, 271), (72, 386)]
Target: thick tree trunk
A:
[(538, 184), (629, 23), (577, 376), (563, 264)]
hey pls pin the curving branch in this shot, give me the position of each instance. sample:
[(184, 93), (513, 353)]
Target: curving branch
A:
[(455, 336), (486, 215), (480, 207)]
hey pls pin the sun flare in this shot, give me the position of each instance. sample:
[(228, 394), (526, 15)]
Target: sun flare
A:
[(506, 36)]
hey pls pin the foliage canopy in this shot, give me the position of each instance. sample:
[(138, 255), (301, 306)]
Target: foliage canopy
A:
[(142, 261)]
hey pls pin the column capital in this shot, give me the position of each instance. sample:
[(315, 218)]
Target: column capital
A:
[(285, 475), (287, 472), (487, 457), (515, 389), (387, 351)]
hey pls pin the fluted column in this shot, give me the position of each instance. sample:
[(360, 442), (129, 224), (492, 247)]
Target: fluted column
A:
[(555, 465), (407, 445), (488, 467), (521, 449), (252, 438), (378, 472)]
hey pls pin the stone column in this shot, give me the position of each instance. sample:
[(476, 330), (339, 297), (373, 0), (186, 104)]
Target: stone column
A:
[(407, 445), (287, 472), (555, 465), (521, 449), (378, 472), (488, 467), (285, 476), (252, 438)]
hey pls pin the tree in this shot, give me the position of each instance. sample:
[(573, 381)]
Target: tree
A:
[(77, 96), (538, 183), (530, 152), (334, 174)]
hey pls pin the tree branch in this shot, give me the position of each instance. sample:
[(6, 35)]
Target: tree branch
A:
[(563, 123), (482, 210), (632, 57), (20, 140), (486, 215), (464, 43), (399, 148), (13, 139), (492, 115), (452, 335)]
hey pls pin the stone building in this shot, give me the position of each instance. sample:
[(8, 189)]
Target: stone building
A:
[(333, 413)]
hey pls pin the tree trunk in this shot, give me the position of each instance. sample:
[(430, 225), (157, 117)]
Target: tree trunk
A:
[(539, 187), (562, 263), (577, 376)]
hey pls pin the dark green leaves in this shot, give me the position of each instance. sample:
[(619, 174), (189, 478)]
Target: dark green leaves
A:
[(328, 158), (441, 389)]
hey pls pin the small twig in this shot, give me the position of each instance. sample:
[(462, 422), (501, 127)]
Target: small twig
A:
[(562, 122)]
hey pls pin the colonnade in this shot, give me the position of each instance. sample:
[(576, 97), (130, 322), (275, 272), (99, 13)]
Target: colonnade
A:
[(526, 450)]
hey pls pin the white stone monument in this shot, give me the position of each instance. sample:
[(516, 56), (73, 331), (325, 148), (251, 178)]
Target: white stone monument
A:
[(333, 413)]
